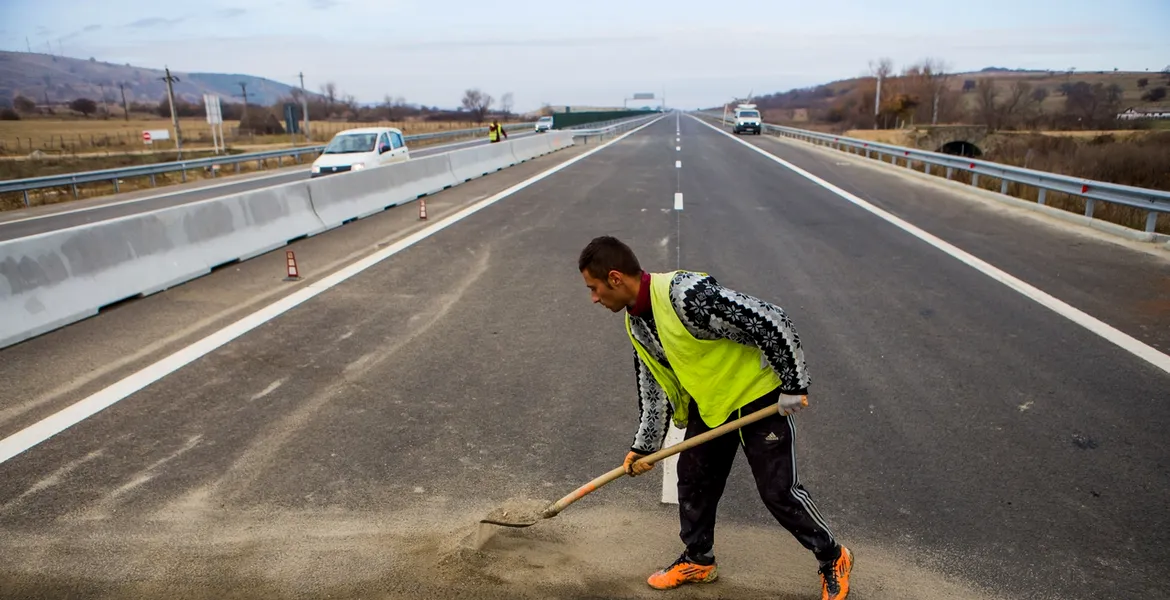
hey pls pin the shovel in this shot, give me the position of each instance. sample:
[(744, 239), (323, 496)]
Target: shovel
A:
[(521, 518)]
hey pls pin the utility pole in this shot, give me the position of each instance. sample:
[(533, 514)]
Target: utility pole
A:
[(125, 107), (171, 79), (27, 43), (305, 107), (877, 101), (934, 111), (244, 89)]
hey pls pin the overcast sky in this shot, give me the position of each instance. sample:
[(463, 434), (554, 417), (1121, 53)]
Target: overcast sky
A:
[(591, 53)]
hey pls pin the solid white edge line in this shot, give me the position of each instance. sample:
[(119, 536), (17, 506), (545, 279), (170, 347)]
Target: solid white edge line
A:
[(79, 411), (1089, 322), (226, 183), (674, 435), (678, 201)]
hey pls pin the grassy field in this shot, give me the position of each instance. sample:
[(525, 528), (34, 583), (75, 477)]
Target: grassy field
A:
[(85, 136)]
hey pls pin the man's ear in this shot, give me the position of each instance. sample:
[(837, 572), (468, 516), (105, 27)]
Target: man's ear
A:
[(614, 278)]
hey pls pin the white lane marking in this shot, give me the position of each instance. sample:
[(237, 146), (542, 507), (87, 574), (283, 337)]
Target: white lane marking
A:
[(678, 201), (429, 150), (670, 467), (1089, 322), (56, 423), (678, 164)]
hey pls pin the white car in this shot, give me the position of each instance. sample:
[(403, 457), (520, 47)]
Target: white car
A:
[(364, 148), (544, 124)]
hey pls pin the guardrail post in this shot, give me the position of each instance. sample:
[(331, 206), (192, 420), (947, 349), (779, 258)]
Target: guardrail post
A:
[(260, 164), (950, 172), (116, 190), (280, 161), (1151, 221), (26, 204), (152, 183), (184, 171), (974, 179), (74, 185), (1003, 187), (1089, 202), (1040, 198), (237, 168)]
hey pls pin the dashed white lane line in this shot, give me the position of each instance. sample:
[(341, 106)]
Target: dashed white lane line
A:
[(1110, 333), (678, 204), (56, 423), (678, 164), (678, 148)]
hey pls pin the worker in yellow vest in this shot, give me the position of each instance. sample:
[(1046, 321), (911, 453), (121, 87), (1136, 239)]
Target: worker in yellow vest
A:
[(495, 130), (705, 354)]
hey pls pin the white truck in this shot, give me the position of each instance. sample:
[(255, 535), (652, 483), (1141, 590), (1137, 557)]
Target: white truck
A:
[(747, 118)]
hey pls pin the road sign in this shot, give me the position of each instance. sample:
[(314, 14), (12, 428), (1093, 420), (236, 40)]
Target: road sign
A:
[(213, 109), (643, 96), (153, 135)]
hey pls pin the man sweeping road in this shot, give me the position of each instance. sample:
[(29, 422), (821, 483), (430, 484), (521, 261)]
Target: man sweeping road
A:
[(703, 355)]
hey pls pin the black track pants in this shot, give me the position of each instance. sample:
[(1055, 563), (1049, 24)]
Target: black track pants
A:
[(770, 448)]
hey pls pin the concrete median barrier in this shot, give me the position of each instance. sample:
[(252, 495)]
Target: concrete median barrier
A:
[(528, 148), (341, 198), (54, 279), (481, 160), (57, 278)]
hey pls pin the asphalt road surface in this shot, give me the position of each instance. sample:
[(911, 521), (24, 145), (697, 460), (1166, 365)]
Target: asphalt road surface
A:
[(19, 224), (964, 440)]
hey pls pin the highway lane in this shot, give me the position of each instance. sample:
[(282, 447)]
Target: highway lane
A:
[(962, 439), (62, 216)]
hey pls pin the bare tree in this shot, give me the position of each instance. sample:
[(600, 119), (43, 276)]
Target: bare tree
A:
[(477, 103), (329, 90), (935, 71), (985, 103), (506, 104), (1014, 104), (881, 71)]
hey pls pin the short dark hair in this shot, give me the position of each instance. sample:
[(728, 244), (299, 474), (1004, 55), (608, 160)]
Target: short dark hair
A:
[(605, 254)]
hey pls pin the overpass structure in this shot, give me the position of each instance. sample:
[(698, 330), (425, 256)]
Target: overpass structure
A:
[(178, 416)]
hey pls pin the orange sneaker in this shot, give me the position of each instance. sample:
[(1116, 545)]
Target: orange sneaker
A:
[(835, 576), (681, 572)]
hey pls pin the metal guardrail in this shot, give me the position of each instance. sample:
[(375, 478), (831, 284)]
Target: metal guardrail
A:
[(114, 175), (605, 129), (1153, 201)]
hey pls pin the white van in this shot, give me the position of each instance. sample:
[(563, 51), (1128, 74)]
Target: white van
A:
[(544, 124), (747, 118), (363, 148)]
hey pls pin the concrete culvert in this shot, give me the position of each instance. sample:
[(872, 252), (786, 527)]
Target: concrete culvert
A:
[(961, 149)]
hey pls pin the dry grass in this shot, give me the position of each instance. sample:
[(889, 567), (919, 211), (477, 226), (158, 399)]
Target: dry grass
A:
[(1140, 159), (83, 136)]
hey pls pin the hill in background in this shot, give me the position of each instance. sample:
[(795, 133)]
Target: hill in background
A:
[(998, 97), (65, 79)]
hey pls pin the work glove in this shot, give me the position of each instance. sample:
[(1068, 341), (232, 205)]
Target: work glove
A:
[(791, 404), (634, 470)]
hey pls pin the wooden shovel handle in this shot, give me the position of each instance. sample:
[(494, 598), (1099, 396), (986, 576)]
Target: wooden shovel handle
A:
[(556, 507)]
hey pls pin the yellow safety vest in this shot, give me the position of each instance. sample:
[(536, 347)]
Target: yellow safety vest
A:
[(721, 375), (494, 133)]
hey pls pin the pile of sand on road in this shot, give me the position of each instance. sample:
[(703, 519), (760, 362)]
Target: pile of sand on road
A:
[(587, 552)]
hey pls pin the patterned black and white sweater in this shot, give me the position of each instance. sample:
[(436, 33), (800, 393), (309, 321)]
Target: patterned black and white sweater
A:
[(710, 311)]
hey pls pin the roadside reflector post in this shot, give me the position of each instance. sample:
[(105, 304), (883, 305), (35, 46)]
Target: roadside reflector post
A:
[(422, 209), (294, 273)]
